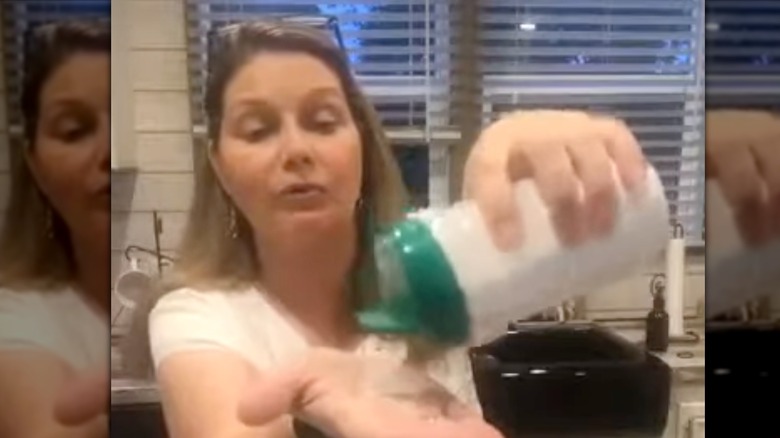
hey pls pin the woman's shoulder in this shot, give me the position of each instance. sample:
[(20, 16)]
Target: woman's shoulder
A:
[(189, 306), (189, 319), (205, 299)]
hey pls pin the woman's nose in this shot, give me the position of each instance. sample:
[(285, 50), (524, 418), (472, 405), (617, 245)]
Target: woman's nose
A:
[(295, 145)]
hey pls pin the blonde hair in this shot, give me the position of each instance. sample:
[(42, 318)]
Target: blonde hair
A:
[(209, 257), (35, 247)]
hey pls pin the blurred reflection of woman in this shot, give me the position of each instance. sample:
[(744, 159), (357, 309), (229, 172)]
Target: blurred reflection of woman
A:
[(295, 179), (54, 251), (743, 155)]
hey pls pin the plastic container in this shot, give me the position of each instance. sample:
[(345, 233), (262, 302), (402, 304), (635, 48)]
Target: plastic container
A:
[(441, 277)]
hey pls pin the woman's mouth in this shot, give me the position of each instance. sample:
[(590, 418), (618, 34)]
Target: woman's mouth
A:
[(303, 194)]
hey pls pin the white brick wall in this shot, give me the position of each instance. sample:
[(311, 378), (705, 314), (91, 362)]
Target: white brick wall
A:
[(163, 154)]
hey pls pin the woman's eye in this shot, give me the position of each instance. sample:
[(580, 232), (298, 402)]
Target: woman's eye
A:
[(325, 121), (254, 130), (72, 130)]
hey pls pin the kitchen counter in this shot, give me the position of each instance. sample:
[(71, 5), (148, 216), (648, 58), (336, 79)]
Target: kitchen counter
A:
[(687, 354), (133, 392)]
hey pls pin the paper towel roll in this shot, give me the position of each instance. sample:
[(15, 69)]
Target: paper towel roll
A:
[(675, 285)]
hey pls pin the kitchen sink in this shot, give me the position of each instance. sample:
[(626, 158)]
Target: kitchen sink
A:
[(136, 410), (571, 380)]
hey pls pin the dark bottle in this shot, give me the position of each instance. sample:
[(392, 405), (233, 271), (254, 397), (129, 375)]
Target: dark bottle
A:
[(657, 328)]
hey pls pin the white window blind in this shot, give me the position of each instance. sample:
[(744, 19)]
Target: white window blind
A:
[(20, 15), (640, 60), (743, 54)]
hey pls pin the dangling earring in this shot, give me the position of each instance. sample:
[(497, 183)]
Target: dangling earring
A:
[(232, 222)]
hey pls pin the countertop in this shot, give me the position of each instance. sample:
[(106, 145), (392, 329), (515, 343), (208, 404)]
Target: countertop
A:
[(685, 358)]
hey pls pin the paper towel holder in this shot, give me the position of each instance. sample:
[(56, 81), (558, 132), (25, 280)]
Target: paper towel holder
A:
[(657, 284)]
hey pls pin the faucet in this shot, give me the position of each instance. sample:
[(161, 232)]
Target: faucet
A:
[(569, 310), (757, 309)]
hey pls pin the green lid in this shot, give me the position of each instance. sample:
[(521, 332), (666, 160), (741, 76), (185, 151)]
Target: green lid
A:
[(427, 300)]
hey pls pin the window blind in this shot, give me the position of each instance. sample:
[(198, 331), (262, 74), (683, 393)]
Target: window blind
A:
[(18, 16), (640, 60), (743, 54)]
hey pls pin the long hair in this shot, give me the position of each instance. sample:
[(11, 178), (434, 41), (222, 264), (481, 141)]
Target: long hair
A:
[(209, 258), (35, 246)]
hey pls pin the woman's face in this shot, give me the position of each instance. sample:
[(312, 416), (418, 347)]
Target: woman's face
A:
[(289, 152), (70, 157)]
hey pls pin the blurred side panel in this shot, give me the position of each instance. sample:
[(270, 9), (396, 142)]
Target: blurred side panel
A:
[(743, 217), (55, 217)]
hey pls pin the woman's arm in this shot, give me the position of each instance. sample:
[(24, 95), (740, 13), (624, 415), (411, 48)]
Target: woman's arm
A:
[(201, 392), (30, 383)]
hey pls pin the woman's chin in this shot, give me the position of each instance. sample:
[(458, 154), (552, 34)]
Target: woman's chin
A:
[(312, 219)]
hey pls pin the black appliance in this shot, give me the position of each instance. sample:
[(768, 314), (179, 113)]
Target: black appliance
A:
[(571, 380), (743, 378)]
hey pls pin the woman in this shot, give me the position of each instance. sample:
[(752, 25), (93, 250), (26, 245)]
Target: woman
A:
[(295, 179), (54, 256)]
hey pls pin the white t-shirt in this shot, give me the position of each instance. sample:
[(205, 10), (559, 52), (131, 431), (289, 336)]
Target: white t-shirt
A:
[(60, 322), (247, 323)]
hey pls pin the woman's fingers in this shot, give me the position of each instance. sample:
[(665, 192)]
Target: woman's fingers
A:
[(743, 154), (83, 400), (566, 153), (488, 184), (559, 188), (743, 188), (768, 163), (624, 150), (594, 168)]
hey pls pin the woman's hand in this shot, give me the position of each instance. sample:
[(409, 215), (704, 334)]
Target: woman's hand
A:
[(560, 150), (345, 396), (743, 154), (83, 400)]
